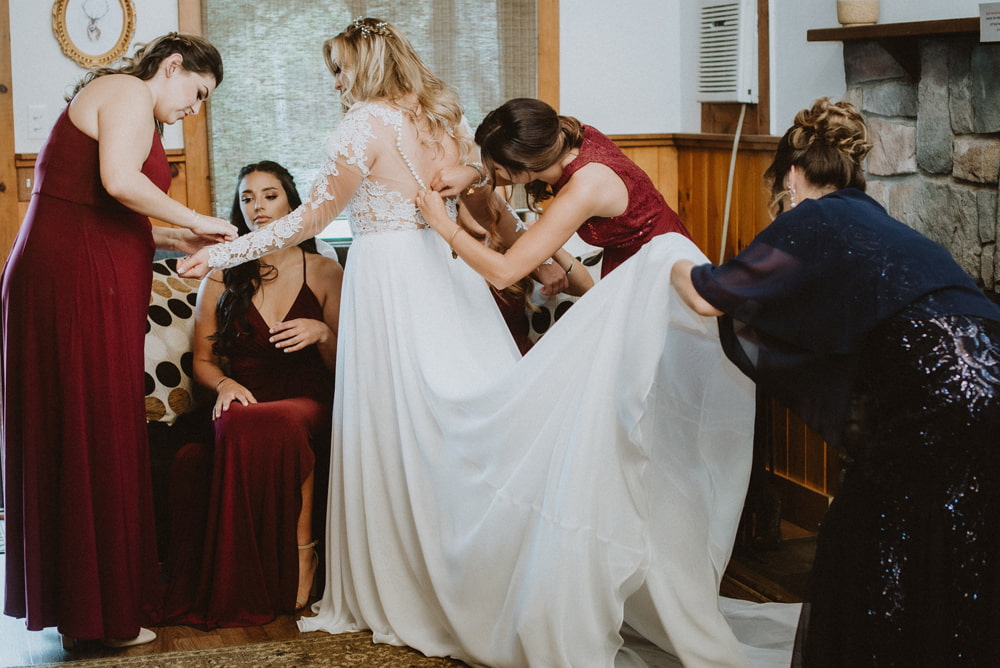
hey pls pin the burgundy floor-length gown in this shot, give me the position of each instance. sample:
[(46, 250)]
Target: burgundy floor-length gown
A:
[(81, 543), (234, 506)]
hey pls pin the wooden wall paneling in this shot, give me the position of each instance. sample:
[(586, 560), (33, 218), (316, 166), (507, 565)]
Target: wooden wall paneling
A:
[(779, 434), (669, 178), (196, 144), (814, 464), (796, 449), (11, 212)]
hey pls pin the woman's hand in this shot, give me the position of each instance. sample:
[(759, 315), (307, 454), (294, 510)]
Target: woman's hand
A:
[(230, 391), (213, 230), (431, 205), (297, 334), (194, 266), (553, 278), (453, 181)]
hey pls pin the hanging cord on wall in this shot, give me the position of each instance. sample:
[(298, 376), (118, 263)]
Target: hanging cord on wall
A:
[(729, 184)]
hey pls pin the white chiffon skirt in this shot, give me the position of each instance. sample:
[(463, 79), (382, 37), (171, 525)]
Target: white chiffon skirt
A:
[(576, 507)]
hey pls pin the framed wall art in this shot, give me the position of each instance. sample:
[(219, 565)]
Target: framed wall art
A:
[(93, 32)]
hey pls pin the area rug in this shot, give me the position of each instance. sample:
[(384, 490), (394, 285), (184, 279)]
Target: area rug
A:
[(344, 650)]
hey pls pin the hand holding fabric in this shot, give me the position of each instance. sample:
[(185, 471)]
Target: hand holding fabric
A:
[(230, 391), (431, 205), (194, 266), (453, 181), (213, 230)]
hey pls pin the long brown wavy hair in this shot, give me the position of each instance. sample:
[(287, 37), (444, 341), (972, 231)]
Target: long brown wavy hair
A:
[(379, 63), (243, 280), (199, 55), (525, 134)]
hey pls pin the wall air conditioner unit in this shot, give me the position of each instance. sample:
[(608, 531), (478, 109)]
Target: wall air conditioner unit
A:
[(727, 59)]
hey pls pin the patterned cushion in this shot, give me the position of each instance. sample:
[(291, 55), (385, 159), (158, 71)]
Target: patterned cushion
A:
[(552, 308), (169, 331)]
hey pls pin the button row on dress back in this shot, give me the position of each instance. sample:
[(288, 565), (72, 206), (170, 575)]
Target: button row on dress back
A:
[(406, 158)]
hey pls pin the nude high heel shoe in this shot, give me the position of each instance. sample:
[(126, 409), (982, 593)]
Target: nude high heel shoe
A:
[(69, 643), (300, 605), (145, 636)]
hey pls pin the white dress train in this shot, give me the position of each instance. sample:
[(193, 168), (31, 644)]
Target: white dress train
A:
[(516, 512), (521, 512)]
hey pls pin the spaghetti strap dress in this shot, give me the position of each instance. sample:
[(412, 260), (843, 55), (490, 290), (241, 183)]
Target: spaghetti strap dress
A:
[(81, 542), (234, 505)]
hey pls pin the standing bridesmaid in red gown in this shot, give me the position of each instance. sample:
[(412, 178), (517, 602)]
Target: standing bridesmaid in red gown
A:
[(594, 189), (81, 547)]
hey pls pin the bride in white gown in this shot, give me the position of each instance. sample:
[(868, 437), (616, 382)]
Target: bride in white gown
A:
[(502, 510)]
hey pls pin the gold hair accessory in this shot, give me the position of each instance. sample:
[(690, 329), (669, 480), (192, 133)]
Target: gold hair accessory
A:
[(381, 28)]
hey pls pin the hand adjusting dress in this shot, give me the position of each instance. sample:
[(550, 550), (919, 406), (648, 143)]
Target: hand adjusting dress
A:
[(515, 511), (81, 543), (234, 506), (835, 308)]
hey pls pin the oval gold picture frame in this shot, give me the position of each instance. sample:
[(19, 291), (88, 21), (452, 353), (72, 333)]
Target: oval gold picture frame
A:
[(70, 21)]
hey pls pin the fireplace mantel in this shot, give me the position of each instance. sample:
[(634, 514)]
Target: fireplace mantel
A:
[(899, 39)]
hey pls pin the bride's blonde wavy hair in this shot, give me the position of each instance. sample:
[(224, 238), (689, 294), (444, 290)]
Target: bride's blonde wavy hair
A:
[(379, 63), (828, 142)]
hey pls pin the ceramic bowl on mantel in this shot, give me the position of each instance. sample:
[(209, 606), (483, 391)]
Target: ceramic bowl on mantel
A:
[(857, 12)]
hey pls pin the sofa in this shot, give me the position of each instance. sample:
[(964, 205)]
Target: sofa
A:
[(177, 407)]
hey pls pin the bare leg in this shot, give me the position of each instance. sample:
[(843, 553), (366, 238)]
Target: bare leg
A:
[(307, 551)]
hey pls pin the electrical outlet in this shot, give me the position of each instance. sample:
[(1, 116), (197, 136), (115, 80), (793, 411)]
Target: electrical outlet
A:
[(38, 121)]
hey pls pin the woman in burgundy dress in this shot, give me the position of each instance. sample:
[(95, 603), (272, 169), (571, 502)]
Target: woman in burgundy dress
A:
[(244, 525), (81, 547), (596, 191)]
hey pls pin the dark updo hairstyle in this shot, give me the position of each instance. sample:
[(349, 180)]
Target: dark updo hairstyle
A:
[(243, 280), (198, 53), (828, 142), (525, 134)]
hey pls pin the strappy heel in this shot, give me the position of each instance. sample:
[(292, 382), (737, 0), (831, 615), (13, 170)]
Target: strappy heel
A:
[(301, 605)]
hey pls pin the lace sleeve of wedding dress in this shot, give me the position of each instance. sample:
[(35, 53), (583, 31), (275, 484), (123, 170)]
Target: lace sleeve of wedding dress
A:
[(346, 166)]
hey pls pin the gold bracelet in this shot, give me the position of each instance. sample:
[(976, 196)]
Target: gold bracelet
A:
[(454, 254), (220, 381)]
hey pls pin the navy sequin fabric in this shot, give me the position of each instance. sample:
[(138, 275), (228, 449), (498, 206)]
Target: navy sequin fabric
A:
[(906, 563)]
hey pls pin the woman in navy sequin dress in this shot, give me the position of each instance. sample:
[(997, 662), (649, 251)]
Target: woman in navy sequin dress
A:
[(877, 339)]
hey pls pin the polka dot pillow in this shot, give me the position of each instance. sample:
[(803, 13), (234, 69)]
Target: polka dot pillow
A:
[(169, 331), (550, 309)]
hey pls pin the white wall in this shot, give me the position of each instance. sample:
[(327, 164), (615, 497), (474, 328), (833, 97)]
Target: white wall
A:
[(632, 67), (626, 67), (618, 65), (42, 74)]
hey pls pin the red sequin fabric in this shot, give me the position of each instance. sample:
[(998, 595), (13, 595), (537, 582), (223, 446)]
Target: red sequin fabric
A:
[(646, 216)]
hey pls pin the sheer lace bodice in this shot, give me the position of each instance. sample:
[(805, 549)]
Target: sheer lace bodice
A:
[(376, 164)]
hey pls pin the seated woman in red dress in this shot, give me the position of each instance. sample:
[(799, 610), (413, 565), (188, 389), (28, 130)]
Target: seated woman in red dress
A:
[(244, 525), (594, 189)]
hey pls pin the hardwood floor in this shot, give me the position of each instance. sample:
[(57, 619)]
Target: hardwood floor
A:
[(20, 647)]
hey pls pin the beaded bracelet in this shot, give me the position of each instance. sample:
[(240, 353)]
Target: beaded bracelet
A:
[(483, 179)]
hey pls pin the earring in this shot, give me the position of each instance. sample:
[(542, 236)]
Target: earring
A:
[(791, 198)]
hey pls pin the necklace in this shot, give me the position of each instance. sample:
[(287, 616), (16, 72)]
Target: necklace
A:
[(93, 32)]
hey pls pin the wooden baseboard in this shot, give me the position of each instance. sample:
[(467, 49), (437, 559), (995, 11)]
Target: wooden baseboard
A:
[(800, 505)]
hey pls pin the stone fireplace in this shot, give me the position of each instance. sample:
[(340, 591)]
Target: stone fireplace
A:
[(934, 112)]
